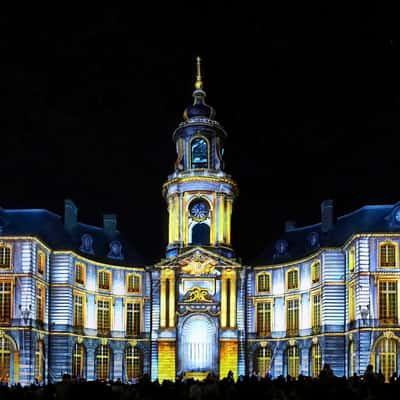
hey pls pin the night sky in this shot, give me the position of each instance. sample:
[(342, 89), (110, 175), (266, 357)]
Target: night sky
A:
[(90, 98)]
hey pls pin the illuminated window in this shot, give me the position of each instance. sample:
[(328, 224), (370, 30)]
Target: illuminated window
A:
[(104, 280), (78, 360), (352, 303), (263, 283), (292, 317), (133, 363), (41, 262), (133, 319), (79, 321), (133, 283), (5, 355), (388, 254), (264, 359), (315, 272), (5, 302), (316, 313), (316, 360), (293, 361), (199, 151), (39, 361), (40, 302), (386, 355), (103, 354), (387, 302), (103, 316), (293, 279), (352, 259), (264, 318), (352, 359), (80, 273), (5, 256)]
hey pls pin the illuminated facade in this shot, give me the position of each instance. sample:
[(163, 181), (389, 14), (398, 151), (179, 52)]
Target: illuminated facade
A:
[(78, 299)]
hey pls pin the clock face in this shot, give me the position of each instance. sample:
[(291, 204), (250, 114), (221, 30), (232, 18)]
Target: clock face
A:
[(199, 210)]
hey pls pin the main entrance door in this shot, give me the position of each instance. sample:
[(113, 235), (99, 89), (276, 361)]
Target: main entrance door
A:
[(198, 344)]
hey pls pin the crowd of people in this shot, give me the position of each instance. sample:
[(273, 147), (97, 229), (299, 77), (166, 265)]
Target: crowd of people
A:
[(327, 386)]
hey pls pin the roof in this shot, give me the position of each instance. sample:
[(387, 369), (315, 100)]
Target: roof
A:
[(367, 219), (49, 228)]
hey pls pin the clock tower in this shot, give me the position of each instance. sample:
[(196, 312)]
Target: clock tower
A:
[(199, 193)]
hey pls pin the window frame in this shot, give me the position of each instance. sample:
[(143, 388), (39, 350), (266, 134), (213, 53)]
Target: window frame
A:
[(292, 332), (40, 254), (102, 331), (82, 357), (380, 319), (258, 276), (351, 255), (396, 254), (133, 274), (133, 302), (110, 280), (84, 301), (11, 282), (42, 310), (314, 265), (208, 151), (139, 357), (315, 329), (8, 246), (290, 270), (83, 273), (271, 314)]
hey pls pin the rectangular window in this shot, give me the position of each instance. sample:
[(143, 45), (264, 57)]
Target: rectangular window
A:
[(133, 319), (104, 278), (104, 316), (5, 302), (352, 259), (316, 312), (263, 283), (5, 256), (133, 283), (264, 319), (79, 273), (41, 262), (388, 255), (40, 302), (388, 302), (293, 279), (292, 317), (78, 311)]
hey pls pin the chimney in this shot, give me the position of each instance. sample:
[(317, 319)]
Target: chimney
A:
[(327, 215), (290, 225), (110, 224), (70, 215)]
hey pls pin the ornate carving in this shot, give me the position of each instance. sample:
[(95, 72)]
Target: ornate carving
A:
[(292, 342), (104, 341), (115, 250), (79, 339), (315, 340), (388, 334), (198, 265), (133, 343), (263, 344), (197, 294)]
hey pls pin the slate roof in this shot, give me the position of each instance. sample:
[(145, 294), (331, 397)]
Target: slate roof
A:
[(49, 227), (368, 219)]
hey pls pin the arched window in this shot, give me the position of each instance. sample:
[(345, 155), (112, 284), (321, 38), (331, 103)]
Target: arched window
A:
[(104, 280), (293, 361), (263, 361), (41, 262), (386, 357), (315, 272), (5, 256), (103, 355), (352, 259), (133, 363), (293, 279), (388, 254), (316, 360), (351, 359), (133, 283), (5, 356), (199, 153), (78, 360), (80, 273), (39, 361), (263, 282), (201, 234)]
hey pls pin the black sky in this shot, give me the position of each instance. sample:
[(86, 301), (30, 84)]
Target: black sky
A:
[(90, 98)]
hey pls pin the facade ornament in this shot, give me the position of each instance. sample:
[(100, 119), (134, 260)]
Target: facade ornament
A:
[(314, 340), (79, 339), (198, 265), (86, 244), (292, 342), (388, 334), (133, 343), (115, 250), (104, 341), (197, 294), (263, 344)]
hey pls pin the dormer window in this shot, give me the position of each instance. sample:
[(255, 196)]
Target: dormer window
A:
[(199, 153), (86, 244)]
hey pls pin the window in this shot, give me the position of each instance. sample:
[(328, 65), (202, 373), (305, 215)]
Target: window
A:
[(5, 256), (352, 303), (293, 279), (199, 151), (352, 260), (39, 361), (316, 360), (79, 320), (104, 280), (133, 363), (388, 255), (263, 283), (352, 359), (41, 262), (263, 362), (315, 272), (316, 313), (40, 302), (103, 316), (264, 318), (386, 355), (133, 319), (5, 302), (5, 355), (80, 273), (292, 317), (78, 359), (293, 361), (133, 283), (103, 362), (388, 302)]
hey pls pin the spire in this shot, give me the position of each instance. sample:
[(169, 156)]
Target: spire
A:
[(199, 83)]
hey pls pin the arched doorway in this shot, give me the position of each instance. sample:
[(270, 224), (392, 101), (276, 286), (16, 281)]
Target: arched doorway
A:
[(386, 356), (9, 359), (198, 345)]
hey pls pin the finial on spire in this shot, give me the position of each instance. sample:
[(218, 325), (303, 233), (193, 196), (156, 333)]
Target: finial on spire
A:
[(199, 82)]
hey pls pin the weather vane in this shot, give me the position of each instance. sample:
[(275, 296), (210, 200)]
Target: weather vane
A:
[(199, 82)]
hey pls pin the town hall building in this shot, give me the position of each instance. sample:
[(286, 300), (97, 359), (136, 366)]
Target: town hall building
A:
[(79, 299)]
